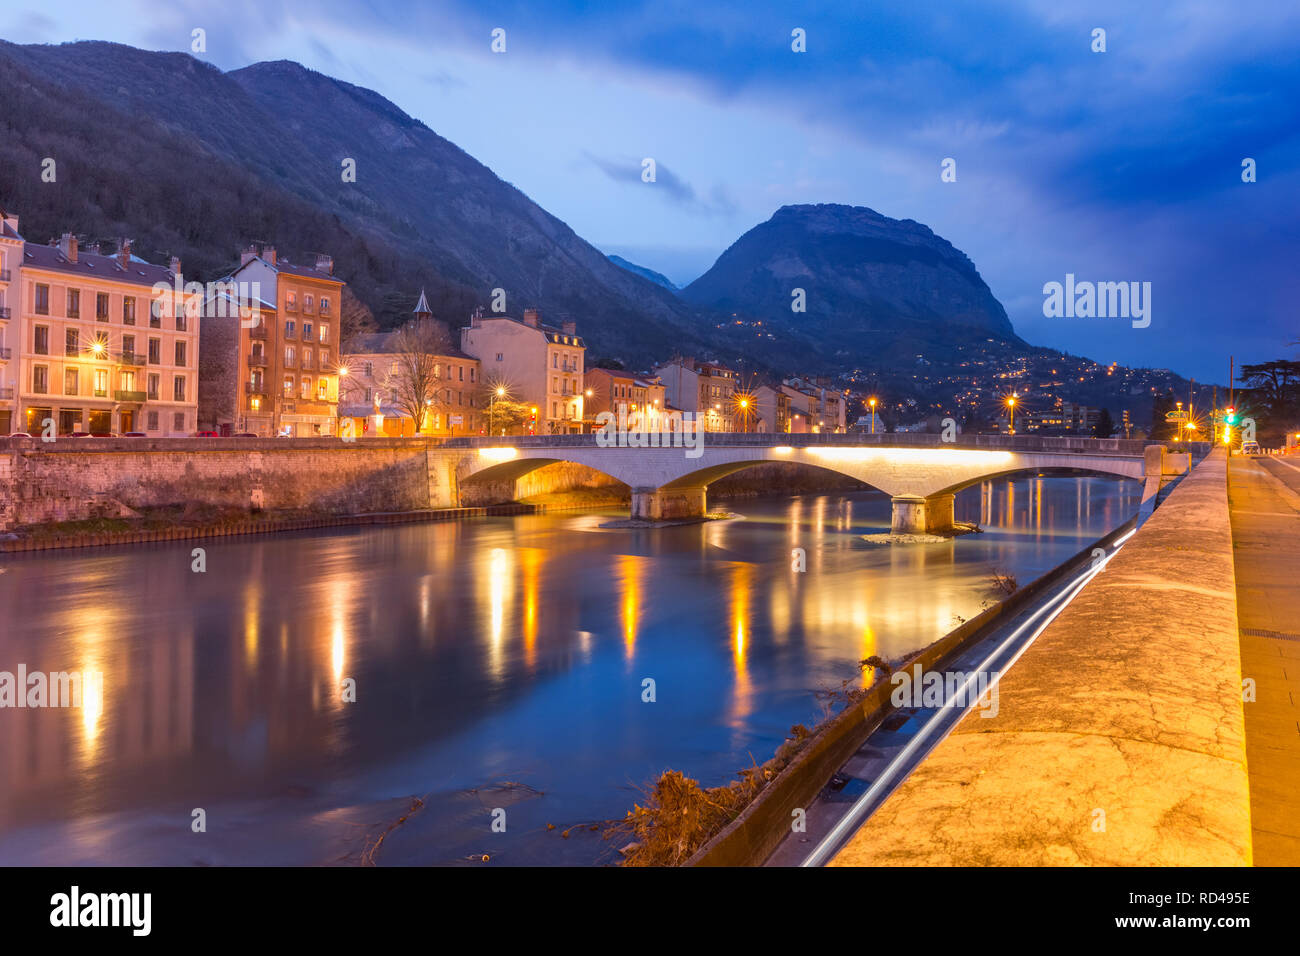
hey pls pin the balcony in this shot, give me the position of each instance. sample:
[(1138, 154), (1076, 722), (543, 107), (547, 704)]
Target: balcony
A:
[(257, 361), (256, 403), (122, 395), (6, 353), (4, 312), (255, 388), (258, 331), (6, 393), (101, 393), (129, 358)]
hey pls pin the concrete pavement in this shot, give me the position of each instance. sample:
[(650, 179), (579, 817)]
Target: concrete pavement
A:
[(1265, 507)]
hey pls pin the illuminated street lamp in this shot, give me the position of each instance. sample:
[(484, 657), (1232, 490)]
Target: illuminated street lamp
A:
[(872, 403), (1011, 411)]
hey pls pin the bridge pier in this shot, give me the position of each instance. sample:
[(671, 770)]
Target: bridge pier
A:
[(916, 515), (661, 504)]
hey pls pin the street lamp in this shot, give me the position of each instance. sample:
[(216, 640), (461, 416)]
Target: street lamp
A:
[(1011, 411), (872, 403), (492, 408)]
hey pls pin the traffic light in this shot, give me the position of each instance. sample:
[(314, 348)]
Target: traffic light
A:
[(1230, 415)]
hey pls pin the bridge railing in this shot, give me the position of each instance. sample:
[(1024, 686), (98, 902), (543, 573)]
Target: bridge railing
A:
[(1026, 443)]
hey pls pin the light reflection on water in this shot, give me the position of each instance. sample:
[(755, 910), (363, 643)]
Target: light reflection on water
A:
[(500, 649)]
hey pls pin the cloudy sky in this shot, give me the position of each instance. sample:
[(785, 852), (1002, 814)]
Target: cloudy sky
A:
[(1123, 165)]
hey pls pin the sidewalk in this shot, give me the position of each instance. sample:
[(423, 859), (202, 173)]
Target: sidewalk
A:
[(1264, 497)]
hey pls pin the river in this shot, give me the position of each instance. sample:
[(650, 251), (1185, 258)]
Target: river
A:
[(498, 664)]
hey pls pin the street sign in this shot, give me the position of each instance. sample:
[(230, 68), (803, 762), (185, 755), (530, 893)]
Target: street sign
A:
[(1176, 416)]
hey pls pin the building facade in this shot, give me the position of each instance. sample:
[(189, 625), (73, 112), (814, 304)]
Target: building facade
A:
[(11, 259), (706, 389), (538, 365), (102, 349), (301, 354)]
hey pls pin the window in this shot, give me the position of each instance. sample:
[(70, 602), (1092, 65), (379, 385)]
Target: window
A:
[(370, 395), (155, 314), (288, 386), (290, 356), (155, 351), (324, 309), (153, 380), (181, 321), (306, 303), (101, 306), (101, 383), (180, 354), (128, 310), (471, 374), (69, 381), (306, 386), (394, 369), (290, 304), (41, 340), (290, 328), (128, 345), (128, 381), (460, 373), (306, 358), (178, 422), (306, 331), (153, 421), (178, 388), (40, 379), (322, 389), (555, 360), (72, 341), (42, 299), (324, 358), (324, 329), (500, 357), (74, 303), (370, 370)]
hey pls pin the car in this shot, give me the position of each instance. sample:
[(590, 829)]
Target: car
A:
[(206, 435), (20, 435), (80, 435), (1250, 448), (105, 435), (134, 435), (245, 435)]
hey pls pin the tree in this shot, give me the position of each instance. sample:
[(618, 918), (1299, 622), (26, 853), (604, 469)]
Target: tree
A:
[(1105, 426), (1274, 389), (355, 317), (416, 379), (1163, 403)]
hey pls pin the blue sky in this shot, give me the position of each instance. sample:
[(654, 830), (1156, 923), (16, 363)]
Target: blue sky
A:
[(1114, 166)]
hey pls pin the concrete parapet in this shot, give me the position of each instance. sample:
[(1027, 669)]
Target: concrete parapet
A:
[(1119, 738)]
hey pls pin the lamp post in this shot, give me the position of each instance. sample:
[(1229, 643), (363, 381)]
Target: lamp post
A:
[(872, 403), (492, 408), (1011, 412)]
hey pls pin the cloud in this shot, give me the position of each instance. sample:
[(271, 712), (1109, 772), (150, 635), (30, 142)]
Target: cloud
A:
[(667, 184)]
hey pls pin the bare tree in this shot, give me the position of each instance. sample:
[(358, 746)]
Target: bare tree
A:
[(415, 375), (355, 317)]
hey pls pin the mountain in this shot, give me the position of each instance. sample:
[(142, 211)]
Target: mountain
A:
[(195, 162), (657, 278), (878, 283)]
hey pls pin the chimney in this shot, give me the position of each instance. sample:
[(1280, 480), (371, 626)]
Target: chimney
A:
[(476, 318), (68, 246), (531, 318), (324, 263), (123, 253), (268, 253), (570, 328), (248, 255), (175, 265), (11, 222)]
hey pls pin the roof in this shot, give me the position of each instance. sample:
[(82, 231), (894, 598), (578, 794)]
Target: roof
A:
[(94, 266), (288, 268), (6, 230), (234, 300), (422, 306)]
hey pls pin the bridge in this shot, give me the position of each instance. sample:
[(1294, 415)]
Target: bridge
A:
[(921, 473)]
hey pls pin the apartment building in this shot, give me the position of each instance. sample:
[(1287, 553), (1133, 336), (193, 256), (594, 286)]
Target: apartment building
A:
[(773, 409), (818, 406), (704, 388), (300, 351), (370, 391), (99, 349), (536, 364), (236, 392), (11, 258)]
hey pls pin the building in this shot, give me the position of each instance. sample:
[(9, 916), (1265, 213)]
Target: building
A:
[(805, 409), (820, 408), (11, 259), (370, 391), (706, 389), (106, 344), (1062, 418), (235, 393), (773, 409), (535, 364), (300, 373)]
